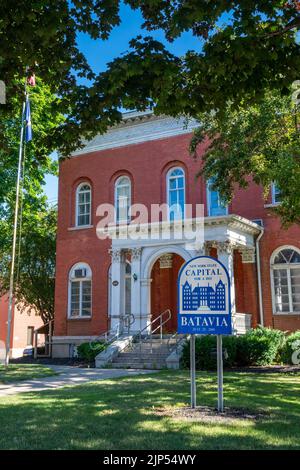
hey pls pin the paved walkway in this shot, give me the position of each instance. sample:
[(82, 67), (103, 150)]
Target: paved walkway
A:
[(68, 375)]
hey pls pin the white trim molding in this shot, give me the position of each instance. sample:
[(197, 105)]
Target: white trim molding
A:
[(136, 128)]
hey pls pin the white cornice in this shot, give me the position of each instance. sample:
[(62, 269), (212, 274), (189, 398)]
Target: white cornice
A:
[(136, 128), (232, 221)]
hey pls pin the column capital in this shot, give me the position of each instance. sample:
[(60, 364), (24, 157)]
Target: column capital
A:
[(248, 254), (226, 246), (136, 253), (208, 244), (116, 255)]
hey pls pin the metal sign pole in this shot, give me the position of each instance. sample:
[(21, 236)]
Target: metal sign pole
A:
[(220, 373), (193, 371)]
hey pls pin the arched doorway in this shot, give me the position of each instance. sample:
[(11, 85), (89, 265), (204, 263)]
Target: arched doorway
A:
[(164, 276)]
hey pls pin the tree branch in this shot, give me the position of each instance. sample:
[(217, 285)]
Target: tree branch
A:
[(292, 25)]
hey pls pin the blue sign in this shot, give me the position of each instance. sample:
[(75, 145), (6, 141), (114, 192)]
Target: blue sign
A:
[(204, 306)]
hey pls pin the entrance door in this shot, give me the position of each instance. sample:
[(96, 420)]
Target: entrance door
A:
[(164, 288)]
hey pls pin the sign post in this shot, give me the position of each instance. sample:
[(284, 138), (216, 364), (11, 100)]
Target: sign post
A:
[(193, 372), (220, 373), (204, 308)]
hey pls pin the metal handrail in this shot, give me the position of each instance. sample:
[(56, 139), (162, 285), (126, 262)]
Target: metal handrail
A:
[(106, 335), (179, 338), (159, 327), (138, 335)]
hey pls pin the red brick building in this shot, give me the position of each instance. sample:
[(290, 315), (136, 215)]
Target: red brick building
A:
[(23, 325), (145, 160)]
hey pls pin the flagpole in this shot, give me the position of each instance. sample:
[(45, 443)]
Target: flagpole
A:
[(13, 254)]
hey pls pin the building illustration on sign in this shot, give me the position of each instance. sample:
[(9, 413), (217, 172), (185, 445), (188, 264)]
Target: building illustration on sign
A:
[(199, 297)]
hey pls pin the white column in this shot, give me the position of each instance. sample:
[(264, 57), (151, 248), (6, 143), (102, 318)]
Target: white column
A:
[(145, 302), (136, 287), (225, 255), (117, 286)]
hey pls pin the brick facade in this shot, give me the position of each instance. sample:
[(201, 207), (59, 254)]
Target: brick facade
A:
[(147, 163), (21, 321)]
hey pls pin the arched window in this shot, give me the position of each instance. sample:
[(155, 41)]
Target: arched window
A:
[(80, 291), (214, 204), (176, 193), (285, 277), (122, 198), (83, 205)]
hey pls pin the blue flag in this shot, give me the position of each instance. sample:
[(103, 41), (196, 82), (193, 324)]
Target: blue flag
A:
[(28, 128)]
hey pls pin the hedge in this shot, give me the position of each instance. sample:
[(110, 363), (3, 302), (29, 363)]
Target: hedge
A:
[(89, 351), (259, 346), (291, 350)]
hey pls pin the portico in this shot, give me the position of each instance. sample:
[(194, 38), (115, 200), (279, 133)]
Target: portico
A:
[(230, 238)]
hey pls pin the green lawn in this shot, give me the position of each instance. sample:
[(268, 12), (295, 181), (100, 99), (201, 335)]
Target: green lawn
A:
[(120, 414), (18, 372)]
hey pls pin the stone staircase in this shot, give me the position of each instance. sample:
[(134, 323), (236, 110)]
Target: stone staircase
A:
[(142, 356)]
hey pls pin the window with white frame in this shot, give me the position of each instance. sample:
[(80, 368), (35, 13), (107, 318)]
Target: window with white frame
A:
[(215, 205), (276, 194), (176, 193), (80, 291), (122, 198), (285, 277), (83, 205)]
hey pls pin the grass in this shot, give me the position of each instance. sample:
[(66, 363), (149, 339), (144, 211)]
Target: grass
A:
[(19, 372), (121, 414)]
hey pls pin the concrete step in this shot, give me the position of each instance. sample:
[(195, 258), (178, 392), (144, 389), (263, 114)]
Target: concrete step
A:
[(157, 341), (138, 365), (148, 350), (143, 354), (154, 346), (150, 354), (139, 359)]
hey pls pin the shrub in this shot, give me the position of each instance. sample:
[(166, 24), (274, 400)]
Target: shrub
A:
[(89, 351), (259, 346), (289, 350), (206, 357)]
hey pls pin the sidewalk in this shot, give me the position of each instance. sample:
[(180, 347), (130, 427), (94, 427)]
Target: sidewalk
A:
[(68, 375)]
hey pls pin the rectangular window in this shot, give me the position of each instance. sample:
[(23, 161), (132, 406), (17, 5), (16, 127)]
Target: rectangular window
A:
[(75, 299), (86, 299), (281, 290), (215, 205), (81, 299), (276, 194), (30, 332), (295, 287)]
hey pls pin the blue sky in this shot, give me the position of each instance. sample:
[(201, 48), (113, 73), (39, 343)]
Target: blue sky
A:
[(99, 53)]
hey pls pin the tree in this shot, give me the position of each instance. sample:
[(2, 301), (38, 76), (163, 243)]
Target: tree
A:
[(35, 282), (261, 141), (246, 48), (35, 273), (45, 117)]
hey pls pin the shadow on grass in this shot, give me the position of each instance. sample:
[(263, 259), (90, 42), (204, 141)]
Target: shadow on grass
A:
[(120, 414)]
